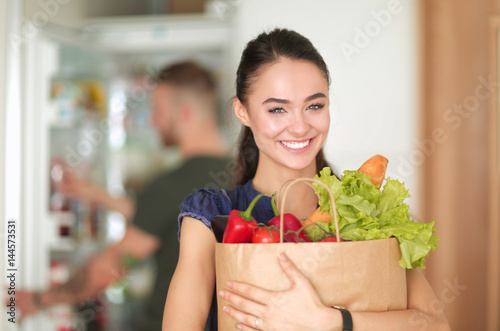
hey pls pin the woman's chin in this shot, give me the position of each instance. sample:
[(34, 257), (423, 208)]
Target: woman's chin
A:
[(296, 164)]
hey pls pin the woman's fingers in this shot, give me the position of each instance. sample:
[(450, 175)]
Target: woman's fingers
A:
[(247, 302), (244, 321), (247, 305), (291, 270), (244, 327), (254, 293)]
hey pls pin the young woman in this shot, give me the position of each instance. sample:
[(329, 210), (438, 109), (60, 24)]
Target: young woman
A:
[(282, 100)]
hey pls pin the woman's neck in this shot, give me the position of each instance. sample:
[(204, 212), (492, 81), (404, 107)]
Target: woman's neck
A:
[(269, 178)]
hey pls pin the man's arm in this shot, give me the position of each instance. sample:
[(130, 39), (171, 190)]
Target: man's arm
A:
[(101, 271), (73, 186)]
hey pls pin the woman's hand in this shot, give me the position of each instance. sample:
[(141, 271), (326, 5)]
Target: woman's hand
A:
[(297, 308)]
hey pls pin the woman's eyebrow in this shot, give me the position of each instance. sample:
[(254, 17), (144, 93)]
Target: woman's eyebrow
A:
[(276, 100), (315, 96), (285, 101)]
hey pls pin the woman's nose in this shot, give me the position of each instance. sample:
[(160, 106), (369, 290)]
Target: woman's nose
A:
[(299, 125)]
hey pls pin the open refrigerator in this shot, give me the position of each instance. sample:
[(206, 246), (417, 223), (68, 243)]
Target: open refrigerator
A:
[(86, 95)]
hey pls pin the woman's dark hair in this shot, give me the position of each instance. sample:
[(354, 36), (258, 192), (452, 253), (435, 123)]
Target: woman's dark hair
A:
[(266, 49)]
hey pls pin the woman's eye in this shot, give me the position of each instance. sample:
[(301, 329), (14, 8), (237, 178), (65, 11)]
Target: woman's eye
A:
[(277, 110), (316, 106)]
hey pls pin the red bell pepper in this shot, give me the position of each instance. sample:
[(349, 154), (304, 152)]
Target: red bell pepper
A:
[(292, 227), (240, 225)]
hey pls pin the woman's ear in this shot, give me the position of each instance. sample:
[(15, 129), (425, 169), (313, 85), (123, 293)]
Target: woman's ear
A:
[(241, 112)]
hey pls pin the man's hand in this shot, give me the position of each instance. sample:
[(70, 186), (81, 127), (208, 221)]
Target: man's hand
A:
[(100, 271), (75, 187), (26, 303), (71, 185)]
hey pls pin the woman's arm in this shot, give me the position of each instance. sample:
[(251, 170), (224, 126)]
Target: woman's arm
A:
[(425, 311), (299, 307), (191, 290)]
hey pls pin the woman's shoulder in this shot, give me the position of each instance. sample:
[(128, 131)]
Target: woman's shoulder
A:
[(205, 204), (213, 199), (210, 202)]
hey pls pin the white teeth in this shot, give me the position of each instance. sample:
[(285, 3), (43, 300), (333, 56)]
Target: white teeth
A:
[(295, 145)]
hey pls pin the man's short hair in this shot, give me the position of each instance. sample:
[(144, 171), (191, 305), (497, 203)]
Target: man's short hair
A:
[(188, 75)]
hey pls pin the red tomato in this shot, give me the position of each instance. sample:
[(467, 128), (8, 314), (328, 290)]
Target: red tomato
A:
[(266, 235), (330, 239)]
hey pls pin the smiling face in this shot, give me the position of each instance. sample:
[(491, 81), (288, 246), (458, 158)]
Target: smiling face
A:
[(288, 112)]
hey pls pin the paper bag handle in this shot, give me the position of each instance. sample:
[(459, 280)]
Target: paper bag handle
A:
[(308, 180)]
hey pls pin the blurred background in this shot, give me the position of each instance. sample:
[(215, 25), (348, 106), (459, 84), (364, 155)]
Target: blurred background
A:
[(416, 81)]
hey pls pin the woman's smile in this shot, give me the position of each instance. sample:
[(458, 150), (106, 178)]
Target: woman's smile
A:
[(296, 146)]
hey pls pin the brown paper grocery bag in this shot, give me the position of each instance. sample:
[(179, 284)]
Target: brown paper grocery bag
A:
[(359, 275)]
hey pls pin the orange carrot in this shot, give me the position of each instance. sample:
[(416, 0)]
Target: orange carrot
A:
[(317, 216), (375, 168)]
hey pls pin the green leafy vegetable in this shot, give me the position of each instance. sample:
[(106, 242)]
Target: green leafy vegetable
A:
[(366, 213)]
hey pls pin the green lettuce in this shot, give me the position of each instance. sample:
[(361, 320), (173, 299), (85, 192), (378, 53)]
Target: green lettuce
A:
[(366, 213)]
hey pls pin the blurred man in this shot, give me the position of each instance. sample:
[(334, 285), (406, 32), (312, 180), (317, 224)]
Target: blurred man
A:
[(185, 114)]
